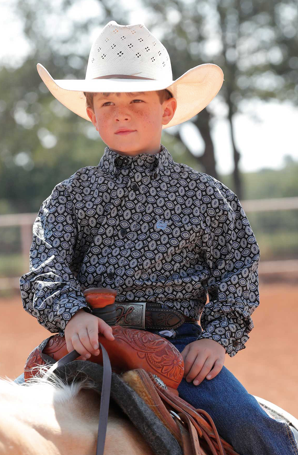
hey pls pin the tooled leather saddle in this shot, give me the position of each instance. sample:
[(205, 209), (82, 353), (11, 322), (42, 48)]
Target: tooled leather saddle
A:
[(150, 365)]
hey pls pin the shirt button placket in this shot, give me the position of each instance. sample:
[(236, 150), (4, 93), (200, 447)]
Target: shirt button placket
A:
[(123, 231)]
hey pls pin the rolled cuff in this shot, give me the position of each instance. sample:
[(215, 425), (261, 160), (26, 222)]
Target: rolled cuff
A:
[(232, 342), (57, 322)]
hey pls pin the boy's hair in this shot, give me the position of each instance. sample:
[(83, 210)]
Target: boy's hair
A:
[(162, 94)]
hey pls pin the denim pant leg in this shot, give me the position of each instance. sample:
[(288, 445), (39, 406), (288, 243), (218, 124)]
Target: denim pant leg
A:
[(20, 379), (239, 418)]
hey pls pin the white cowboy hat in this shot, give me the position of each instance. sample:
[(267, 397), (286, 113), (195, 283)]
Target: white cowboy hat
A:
[(128, 58)]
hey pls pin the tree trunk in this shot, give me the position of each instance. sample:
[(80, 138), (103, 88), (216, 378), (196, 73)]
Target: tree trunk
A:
[(208, 157), (238, 188)]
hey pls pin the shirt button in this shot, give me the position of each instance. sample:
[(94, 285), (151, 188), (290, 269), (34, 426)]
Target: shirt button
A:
[(123, 232), (135, 187), (155, 175), (236, 343), (110, 275)]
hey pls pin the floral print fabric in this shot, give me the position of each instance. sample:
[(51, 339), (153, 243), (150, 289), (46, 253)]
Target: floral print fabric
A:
[(154, 230)]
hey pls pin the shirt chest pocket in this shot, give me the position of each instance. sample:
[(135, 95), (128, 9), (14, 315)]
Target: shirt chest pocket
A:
[(174, 236)]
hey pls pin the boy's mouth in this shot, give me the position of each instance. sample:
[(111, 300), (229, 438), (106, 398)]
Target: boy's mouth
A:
[(124, 131)]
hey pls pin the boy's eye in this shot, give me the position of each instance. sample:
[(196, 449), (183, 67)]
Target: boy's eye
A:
[(110, 102)]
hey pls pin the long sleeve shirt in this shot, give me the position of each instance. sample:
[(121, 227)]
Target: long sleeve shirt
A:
[(154, 230)]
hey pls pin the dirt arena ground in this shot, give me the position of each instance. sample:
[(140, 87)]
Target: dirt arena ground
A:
[(268, 367)]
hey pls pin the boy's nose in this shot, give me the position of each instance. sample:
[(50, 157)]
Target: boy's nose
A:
[(122, 114), (120, 118)]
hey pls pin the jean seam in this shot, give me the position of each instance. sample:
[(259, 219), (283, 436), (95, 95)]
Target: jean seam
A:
[(291, 438)]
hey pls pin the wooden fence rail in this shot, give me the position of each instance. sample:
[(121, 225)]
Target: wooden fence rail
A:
[(26, 220)]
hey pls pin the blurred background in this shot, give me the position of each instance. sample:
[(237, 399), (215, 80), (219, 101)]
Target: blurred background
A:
[(246, 137)]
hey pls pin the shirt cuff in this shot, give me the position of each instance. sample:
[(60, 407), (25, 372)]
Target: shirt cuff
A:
[(58, 322), (231, 343)]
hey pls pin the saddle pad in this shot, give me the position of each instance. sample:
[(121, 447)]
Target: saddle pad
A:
[(157, 436)]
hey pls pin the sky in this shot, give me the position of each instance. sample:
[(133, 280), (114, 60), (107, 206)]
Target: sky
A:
[(263, 143)]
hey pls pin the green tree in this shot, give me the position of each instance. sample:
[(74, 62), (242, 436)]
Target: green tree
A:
[(254, 42), (42, 142)]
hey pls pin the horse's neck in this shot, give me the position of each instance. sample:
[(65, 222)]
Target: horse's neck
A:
[(17, 438), (33, 423), (44, 426)]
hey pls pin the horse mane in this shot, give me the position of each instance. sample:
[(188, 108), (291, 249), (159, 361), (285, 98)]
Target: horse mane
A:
[(44, 388), (33, 415)]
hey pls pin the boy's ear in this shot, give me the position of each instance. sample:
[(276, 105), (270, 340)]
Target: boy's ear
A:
[(169, 109), (91, 115)]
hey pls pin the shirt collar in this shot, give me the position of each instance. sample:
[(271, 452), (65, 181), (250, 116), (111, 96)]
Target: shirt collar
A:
[(114, 164)]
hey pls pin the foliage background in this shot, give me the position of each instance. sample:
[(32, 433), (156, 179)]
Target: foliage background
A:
[(42, 143)]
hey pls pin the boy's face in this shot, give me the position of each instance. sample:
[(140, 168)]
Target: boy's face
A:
[(140, 114)]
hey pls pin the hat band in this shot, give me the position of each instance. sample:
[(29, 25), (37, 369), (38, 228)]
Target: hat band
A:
[(123, 76)]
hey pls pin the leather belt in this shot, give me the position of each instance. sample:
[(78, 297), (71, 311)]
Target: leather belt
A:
[(143, 315)]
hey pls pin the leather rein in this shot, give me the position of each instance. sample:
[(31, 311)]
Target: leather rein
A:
[(105, 394)]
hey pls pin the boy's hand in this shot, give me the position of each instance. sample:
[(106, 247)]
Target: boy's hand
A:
[(81, 333), (202, 358)]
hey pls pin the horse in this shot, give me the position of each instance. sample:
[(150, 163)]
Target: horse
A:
[(48, 417), (52, 418)]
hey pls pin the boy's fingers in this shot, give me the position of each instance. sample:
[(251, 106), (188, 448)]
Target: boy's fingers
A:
[(69, 346), (93, 338), (78, 346), (195, 368), (215, 370), (105, 329), (84, 339), (185, 352), (204, 372)]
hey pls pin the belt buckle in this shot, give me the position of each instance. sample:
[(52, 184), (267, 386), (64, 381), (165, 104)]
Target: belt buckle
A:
[(131, 314)]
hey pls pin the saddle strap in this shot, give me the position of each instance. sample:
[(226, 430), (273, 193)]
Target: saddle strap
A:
[(200, 419), (199, 424), (186, 440), (193, 428), (192, 444), (142, 384), (209, 433), (105, 393)]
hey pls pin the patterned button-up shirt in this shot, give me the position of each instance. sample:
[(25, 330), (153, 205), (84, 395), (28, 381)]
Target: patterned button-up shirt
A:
[(155, 231)]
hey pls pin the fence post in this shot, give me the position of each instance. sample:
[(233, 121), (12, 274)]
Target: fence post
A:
[(26, 237)]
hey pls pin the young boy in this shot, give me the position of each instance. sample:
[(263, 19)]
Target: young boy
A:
[(154, 230)]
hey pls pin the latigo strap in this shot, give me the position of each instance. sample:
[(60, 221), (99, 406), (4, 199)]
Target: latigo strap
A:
[(177, 415)]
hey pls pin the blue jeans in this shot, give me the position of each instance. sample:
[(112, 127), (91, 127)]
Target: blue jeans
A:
[(239, 418)]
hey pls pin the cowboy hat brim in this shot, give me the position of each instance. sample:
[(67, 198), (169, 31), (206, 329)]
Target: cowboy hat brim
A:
[(193, 90)]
